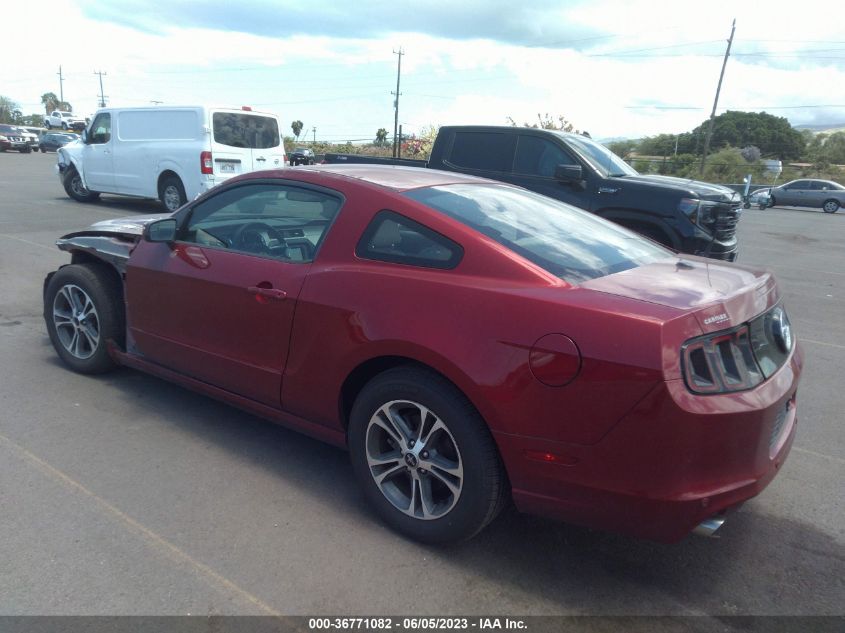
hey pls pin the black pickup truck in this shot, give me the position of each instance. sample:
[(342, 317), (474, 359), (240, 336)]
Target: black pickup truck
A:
[(686, 215)]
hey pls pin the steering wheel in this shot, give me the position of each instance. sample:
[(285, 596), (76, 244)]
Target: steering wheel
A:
[(255, 237)]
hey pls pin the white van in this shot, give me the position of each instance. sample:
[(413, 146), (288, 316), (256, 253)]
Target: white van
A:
[(172, 154)]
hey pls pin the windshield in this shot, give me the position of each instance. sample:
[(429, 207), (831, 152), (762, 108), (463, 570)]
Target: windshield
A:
[(245, 130), (602, 158), (569, 243)]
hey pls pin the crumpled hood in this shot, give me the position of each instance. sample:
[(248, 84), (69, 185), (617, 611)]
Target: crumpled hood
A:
[(703, 190), (132, 226)]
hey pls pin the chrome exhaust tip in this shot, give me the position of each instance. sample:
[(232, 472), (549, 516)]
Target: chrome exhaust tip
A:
[(709, 526)]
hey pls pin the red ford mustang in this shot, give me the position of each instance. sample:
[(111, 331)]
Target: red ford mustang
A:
[(469, 342)]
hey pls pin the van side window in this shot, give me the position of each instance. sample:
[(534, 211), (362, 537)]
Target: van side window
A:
[(392, 237), (100, 129), (485, 151), (537, 156)]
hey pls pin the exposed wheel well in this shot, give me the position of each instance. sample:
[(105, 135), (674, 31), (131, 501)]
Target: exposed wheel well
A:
[(81, 257), (368, 370)]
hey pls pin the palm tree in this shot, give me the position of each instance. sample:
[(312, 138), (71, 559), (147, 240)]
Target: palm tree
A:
[(50, 101), (381, 137), (296, 126)]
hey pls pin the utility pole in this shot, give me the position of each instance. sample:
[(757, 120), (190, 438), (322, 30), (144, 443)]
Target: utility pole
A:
[(102, 96), (314, 131), (61, 85), (716, 100), (400, 52)]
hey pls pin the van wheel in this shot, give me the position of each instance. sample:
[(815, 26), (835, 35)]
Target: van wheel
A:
[(172, 193), (75, 189)]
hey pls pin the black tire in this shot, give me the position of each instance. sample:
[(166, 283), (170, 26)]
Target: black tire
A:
[(69, 287), (47, 125), (64, 126), (772, 201), (483, 490), (172, 193), (75, 189), (830, 206)]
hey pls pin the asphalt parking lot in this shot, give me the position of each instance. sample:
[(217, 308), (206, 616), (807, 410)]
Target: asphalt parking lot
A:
[(124, 494)]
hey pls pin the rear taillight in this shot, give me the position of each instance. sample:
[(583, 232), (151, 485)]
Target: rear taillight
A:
[(206, 166), (721, 362)]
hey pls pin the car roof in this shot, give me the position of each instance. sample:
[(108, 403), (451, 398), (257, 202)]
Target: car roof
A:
[(397, 177)]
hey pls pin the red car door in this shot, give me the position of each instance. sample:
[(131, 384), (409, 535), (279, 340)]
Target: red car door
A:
[(218, 304)]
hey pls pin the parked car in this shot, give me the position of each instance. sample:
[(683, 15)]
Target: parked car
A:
[(302, 156), (761, 198), (64, 121), (14, 139), (30, 138), (168, 153), (52, 141), (806, 192), (685, 215), (468, 341)]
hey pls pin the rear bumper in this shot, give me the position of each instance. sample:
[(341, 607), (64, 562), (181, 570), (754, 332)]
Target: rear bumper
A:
[(675, 460)]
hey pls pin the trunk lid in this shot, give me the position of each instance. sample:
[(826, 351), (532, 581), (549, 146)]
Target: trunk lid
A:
[(720, 295)]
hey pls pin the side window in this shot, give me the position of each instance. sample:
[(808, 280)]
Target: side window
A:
[(486, 151), (270, 220), (100, 129), (799, 185), (537, 156), (393, 238)]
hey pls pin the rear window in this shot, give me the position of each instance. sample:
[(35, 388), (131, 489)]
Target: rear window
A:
[(569, 243), (237, 129), (485, 151)]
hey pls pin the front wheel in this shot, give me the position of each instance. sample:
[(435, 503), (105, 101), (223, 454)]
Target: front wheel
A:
[(83, 311), (64, 126), (76, 189), (424, 457), (830, 206), (172, 193)]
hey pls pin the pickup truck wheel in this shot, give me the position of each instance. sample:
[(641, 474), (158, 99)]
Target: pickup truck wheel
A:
[(425, 457), (172, 193), (75, 189), (83, 311), (64, 126), (47, 125), (830, 206)]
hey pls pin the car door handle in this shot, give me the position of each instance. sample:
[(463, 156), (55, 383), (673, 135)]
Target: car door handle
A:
[(261, 158), (269, 293)]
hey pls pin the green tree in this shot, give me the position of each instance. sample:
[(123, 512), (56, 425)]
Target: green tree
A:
[(548, 122), (50, 101), (622, 148), (34, 120), (9, 111), (833, 148), (381, 137), (772, 134), (296, 126)]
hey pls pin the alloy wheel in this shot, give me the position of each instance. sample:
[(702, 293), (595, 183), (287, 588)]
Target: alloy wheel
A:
[(414, 459), (76, 320), (172, 197)]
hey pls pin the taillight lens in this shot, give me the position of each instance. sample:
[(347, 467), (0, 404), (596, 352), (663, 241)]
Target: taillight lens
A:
[(721, 362), (206, 166)]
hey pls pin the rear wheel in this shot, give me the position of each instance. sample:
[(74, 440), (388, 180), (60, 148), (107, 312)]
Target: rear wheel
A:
[(830, 206), (83, 310), (76, 189), (424, 457), (172, 193)]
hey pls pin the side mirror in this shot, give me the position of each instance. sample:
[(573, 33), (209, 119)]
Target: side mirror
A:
[(84, 136), (161, 231), (569, 173)]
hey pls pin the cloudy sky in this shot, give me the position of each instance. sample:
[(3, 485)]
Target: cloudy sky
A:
[(615, 68)]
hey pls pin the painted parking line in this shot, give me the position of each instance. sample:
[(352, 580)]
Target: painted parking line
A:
[(132, 525)]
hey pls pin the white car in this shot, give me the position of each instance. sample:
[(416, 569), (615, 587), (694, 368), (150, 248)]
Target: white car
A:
[(760, 198), (172, 154), (64, 120)]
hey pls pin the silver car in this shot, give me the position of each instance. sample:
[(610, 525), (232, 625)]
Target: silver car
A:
[(826, 194)]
